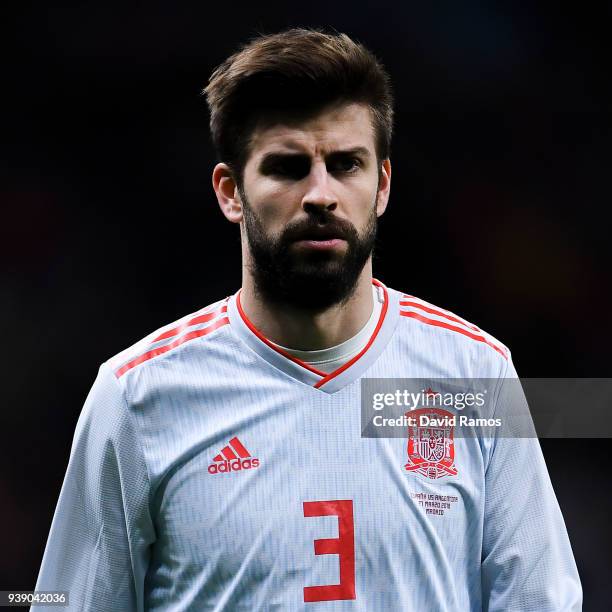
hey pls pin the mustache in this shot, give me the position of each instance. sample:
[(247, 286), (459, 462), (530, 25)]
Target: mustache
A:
[(310, 229)]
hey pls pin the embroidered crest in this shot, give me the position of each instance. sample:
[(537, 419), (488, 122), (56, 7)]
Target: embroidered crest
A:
[(431, 449)]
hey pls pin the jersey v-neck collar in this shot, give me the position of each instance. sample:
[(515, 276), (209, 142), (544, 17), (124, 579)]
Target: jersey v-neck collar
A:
[(302, 371)]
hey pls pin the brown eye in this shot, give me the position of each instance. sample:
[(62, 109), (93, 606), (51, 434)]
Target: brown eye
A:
[(291, 167), (346, 165)]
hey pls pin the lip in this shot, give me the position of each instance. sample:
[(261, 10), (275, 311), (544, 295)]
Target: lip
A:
[(321, 244)]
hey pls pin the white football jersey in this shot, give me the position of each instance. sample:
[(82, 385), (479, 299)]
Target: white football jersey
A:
[(210, 470)]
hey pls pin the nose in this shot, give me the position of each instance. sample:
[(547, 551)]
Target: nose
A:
[(319, 196)]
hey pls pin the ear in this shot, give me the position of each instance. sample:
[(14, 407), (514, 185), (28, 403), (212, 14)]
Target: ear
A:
[(227, 194), (384, 187)]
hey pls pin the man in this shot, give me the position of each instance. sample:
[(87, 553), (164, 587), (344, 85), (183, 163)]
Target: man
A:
[(219, 464)]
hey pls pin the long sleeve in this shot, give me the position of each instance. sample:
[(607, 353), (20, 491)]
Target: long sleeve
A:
[(98, 546), (527, 560)]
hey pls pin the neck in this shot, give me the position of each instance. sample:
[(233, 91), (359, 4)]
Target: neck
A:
[(303, 330)]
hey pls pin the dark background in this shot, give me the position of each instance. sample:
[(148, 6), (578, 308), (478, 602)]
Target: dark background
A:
[(109, 227)]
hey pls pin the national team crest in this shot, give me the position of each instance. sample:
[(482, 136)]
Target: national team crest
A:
[(431, 449)]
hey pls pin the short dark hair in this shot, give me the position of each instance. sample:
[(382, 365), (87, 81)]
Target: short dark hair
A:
[(293, 73)]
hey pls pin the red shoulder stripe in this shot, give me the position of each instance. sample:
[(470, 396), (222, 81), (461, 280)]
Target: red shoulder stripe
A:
[(435, 323), (203, 318), (167, 347), (440, 313)]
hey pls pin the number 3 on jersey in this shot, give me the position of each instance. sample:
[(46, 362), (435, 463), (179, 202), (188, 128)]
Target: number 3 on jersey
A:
[(343, 546)]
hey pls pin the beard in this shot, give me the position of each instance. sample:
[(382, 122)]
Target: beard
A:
[(311, 280)]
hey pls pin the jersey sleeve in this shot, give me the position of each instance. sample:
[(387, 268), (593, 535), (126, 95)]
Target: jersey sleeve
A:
[(101, 533), (527, 560)]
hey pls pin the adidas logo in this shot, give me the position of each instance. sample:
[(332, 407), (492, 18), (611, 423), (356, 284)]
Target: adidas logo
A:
[(232, 458)]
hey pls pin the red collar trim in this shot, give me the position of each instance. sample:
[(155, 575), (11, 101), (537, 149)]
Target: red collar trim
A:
[(325, 377), (285, 354), (350, 362)]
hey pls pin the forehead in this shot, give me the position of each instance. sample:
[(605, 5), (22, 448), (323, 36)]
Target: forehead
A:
[(340, 127)]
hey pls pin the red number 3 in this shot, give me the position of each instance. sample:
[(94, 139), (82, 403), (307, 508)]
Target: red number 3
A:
[(343, 546)]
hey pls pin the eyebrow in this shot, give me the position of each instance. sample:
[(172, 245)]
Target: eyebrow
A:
[(271, 158), (355, 151)]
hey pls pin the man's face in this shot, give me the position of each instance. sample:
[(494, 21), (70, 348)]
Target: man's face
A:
[(311, 198)]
